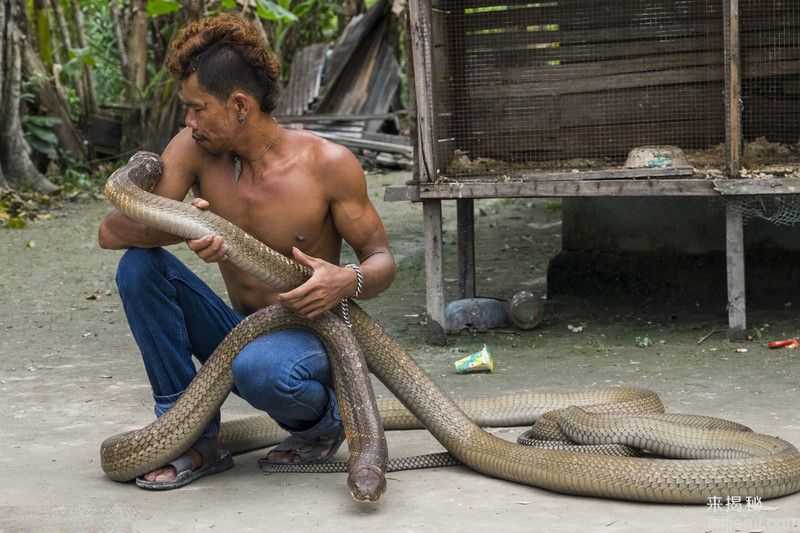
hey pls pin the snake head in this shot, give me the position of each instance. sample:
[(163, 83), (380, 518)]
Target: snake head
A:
[(146, 169), (367, 483)]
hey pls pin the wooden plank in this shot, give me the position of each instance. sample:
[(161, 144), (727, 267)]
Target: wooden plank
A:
[(401, 193), (589, 15), (565, 19), (434, 273), (522, 55), (447, 79), (750, 187), (387, 138), (494, 74), (465, 228), (589, 175), (774, 117), (592, 69), (734, 252), (377, 146), (420, 17), (579, 187), (328, 117), (698, 27), (413, 132), (701, 74), (348, 44), (350, 90), (567, 189), (593, 141), (304, 81), (650, 104), (733, 89), (384, 83)]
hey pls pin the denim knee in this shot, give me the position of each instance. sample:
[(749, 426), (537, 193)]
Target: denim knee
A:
[(258, 378), (281, 368), (136, 267)]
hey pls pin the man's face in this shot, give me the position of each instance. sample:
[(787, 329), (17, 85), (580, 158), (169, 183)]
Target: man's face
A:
[(211, 120)]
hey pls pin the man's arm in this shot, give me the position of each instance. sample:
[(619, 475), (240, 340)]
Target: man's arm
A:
[(359, 224), (117, 231)]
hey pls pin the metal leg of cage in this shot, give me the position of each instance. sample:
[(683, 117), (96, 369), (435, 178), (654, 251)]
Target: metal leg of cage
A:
[(434, 279), (466, 247), (734, 252)]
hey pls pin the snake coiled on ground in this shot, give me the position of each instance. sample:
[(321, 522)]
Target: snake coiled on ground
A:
[(729, 460)]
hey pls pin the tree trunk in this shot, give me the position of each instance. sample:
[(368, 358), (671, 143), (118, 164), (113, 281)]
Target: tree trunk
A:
[(89, 100), (3, 6), (194, 9), (350, 8), (15, 161), (137, 50), (49, 98), (42, 22), (119, 33), (63, 30)]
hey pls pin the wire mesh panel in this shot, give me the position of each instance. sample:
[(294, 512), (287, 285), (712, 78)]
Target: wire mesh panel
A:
[(770, 35), (523, 86)]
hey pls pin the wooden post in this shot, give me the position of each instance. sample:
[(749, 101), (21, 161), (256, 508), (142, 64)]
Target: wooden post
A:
[(434, 282), (421, 38), (466, 247), (733, 88), (412, 100), (734, 249)]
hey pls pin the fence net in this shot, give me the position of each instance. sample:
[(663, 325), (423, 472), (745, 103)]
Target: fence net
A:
[(522, 86)]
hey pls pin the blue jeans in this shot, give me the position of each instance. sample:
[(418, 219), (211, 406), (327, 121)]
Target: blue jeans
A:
[(174, 315)]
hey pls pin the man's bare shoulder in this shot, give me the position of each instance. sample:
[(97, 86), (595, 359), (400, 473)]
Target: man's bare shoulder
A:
[(184, 151), (183, 163), (334, 165)]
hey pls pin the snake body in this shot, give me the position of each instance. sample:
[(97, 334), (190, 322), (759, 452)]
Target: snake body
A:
[(756, 465)]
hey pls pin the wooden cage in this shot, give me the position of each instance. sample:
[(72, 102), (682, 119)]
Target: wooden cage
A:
[(533, 98)]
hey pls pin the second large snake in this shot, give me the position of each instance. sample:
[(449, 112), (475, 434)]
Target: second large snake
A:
[(760, 465)]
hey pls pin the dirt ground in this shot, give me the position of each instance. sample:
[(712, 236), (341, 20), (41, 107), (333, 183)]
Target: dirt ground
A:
[(70, 375)]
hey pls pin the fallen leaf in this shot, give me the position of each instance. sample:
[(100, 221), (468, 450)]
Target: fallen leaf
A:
[(15, 223)]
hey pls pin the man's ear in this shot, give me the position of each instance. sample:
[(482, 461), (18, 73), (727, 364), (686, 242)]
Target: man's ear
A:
[(241, 103)]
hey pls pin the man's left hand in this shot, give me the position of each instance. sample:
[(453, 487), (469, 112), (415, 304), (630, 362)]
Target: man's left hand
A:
[(322, 291)]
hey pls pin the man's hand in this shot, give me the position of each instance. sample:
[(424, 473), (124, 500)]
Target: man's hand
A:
[(210, 248), (322, 291)]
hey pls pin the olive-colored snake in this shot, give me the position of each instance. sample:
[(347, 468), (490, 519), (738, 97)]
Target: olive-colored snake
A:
[(744, 463)]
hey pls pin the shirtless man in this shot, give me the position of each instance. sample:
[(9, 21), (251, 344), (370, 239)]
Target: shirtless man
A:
[(299, 194)]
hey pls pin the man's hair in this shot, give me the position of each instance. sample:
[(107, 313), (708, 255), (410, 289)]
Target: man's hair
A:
[(228, 53)]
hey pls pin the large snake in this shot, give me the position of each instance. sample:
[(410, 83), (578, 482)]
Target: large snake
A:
[(729, 461)]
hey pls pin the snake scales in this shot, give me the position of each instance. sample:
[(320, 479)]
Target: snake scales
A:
[(729, 461)]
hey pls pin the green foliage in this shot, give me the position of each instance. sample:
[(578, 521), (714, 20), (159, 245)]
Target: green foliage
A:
[(276, 12), (78, 57), (38, 132), (79, 177), (104, 52), (156, 8)]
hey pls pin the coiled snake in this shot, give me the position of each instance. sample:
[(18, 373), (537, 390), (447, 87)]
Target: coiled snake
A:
[(728, 461)]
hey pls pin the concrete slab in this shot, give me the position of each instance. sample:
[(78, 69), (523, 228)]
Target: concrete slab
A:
[(70, 376)]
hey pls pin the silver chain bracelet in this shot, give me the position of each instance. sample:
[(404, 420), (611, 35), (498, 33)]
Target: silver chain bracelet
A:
[(344, 303)]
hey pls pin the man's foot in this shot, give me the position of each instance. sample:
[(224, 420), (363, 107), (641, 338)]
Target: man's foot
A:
[(202, 459), (296, 450)]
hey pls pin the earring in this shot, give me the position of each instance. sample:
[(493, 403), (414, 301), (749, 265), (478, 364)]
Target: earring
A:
[(241, 119)]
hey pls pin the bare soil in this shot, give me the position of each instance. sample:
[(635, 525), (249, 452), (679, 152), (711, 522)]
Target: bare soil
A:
[(70, 375)]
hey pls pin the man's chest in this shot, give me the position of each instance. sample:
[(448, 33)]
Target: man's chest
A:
[(281, 212)]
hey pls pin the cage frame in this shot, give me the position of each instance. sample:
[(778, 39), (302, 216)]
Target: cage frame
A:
[(430, 191)]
